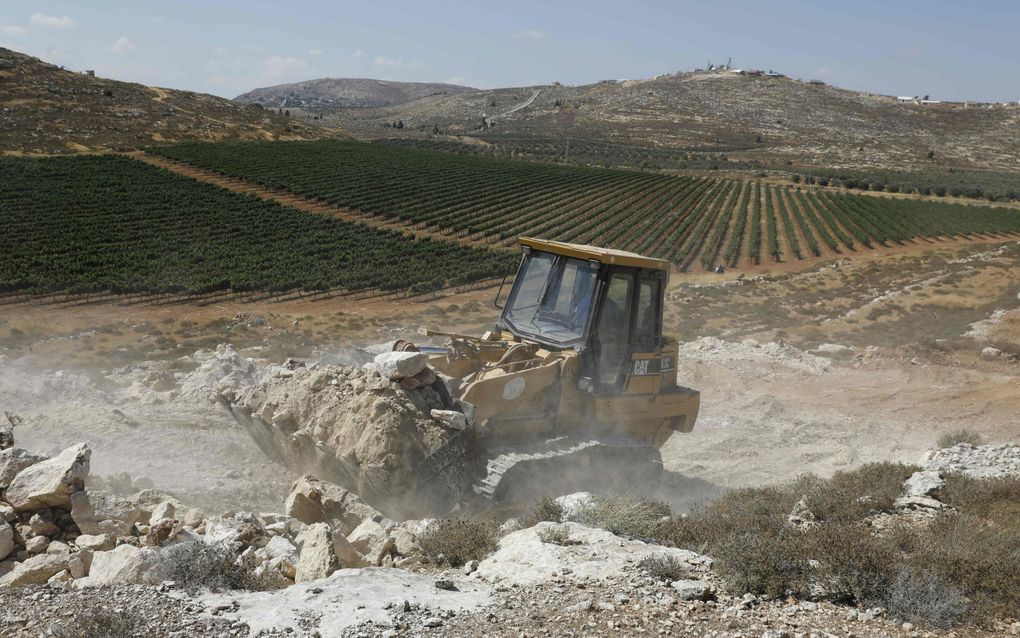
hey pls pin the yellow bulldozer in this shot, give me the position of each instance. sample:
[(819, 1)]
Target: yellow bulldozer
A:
[(576, 388), (573, 390)]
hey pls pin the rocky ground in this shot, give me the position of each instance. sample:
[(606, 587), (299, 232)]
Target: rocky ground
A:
[(357, 574)]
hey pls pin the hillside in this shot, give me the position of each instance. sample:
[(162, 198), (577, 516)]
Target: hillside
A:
[(347, 92), (695, 222), (761, 121), (47, 109)]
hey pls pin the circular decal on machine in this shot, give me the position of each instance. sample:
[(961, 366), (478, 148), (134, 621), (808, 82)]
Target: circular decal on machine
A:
[(513, 388)]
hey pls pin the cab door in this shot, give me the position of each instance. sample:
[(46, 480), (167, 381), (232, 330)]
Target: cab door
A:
[(612, 336)]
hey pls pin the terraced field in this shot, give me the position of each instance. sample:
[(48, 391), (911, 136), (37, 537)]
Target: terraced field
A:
[(100, 224), (696, 222)]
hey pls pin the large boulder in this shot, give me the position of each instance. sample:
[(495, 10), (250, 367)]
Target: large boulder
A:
[(35, 571), (50, 483), (102, 513), (123, 565), (13, 460), (314, 501), (97, 543), (400, 365), (372, 541), (317, 558), (923, 484), (239, 531), (6, 539)]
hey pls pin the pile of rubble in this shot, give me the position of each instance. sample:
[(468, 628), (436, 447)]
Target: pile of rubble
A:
[(55, 530), (369, 429), (979, 461)]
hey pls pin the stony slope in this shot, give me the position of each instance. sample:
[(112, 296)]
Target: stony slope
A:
[(47, 109), (346, 92), (751, 118)]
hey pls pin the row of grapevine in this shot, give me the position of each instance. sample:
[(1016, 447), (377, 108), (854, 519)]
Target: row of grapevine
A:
[(96, 224), (688, 220)]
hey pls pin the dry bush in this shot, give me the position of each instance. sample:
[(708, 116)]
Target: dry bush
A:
[(850, 496), (557, 536), (545, 509), (100, 622), (757, 510), (195, 566), (950, 439), (636, 519), (455, 541), (921, 597), (664, 567), (995, 499), (855, 564), (762, 563), (979, 557)]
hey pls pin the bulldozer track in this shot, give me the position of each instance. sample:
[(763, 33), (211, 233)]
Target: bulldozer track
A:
[(299, 202), (561, 458)]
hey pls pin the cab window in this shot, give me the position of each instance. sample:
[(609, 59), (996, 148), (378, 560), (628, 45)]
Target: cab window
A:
[(646, 330), (614, 329)]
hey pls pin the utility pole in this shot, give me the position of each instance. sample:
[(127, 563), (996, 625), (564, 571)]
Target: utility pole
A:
[(566, 156)]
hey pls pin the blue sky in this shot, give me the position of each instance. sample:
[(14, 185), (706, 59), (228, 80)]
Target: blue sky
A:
[(950, 50)]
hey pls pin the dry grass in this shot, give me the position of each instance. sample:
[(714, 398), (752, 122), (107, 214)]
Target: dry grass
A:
[(951, 439), (963, 566), (455, 541), (195, 566), (664, 567), (101, 622)]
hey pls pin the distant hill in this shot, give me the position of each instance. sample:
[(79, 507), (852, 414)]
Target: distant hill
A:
[(346, 92), (47, 109), (754, 119)]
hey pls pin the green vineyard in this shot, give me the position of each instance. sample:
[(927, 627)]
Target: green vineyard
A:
[(696, 222), (95, 224)]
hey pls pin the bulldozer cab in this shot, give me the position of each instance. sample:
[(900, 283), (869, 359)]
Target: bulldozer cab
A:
[(604, 304)]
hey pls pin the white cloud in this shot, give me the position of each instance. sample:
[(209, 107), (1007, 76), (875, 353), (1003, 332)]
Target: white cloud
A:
[(157, 20), (529, 34), (277, 67), (360, 53), (122, 44), (221, 51), (12, 29), (314, 51), (456, 80), (383, 61), (56, 22)]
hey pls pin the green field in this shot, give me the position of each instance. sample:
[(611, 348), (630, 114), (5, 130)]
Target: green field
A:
[(111, 224), (692, 221)]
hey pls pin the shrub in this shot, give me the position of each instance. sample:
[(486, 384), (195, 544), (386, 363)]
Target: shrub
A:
[(616, 514), (994, 499), (763, 564), (923, 597), (99, 622), (980, 558), (949, 439), (544, 509), (556, 536), (757, 510), (456, 541), (195, 566), (850, 496), (664, 567), (855, 563)]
